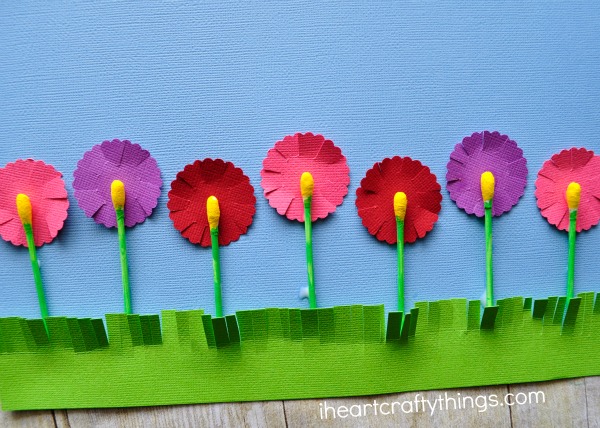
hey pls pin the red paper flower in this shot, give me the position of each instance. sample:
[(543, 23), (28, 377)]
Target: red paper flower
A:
[(375, 199), (284, 165), (46, 191), (191, 189), (574, 165)]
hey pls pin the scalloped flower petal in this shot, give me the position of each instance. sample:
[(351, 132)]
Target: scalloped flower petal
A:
[(573, 165), (117, 160), (294, 155), (375, 199), (481, 152), (46, 190), (192, 187)]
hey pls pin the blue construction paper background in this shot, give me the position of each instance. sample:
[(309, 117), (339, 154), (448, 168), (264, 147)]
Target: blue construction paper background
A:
[(189, 81)]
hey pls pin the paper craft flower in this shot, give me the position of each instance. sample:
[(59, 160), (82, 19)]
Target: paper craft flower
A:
[(481, 152), (45, 188), (190, 191), (375, 199), (574, 165), (117, 160), (289, 159)]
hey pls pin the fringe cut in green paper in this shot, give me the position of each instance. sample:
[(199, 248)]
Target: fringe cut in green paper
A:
[(190, 357)]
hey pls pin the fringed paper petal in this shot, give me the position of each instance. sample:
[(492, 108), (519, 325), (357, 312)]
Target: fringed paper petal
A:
[(117, 160), (192, 187), (375, 199), (45, 188), (481, 152), (573, 165), (294, 155)]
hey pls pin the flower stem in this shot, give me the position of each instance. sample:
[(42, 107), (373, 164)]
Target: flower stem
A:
[(571, 268), (124, 264), (37, 276), (214, 240), (312, 296), (489, 272), (400, 244)]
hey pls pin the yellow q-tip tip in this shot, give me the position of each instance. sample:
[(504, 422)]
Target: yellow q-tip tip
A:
[(487, 186), (117, 192), (307, 185), (213, 211), (24, 208), (573, 195), (400, 203)]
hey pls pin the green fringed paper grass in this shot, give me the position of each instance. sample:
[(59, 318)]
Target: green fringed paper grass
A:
[(274, 354)]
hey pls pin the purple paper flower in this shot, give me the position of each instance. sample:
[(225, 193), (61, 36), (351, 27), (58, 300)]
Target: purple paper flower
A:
[(481, 152), (117, 160)]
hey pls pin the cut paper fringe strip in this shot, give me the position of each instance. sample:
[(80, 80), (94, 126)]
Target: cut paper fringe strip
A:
[(574, 165), (117, 160), (289, 159), (46, 190), (481, 152)]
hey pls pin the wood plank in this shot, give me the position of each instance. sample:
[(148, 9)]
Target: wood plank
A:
[(262, 414), (61, 419), (592, 391), (38, 419), (307, 413), (564, 404), (568, 403)]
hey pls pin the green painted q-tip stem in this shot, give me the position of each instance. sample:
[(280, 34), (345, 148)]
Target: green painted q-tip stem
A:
[(37, 275), (214, 240), (124, 264), (25, 211), (312, 296), (489, 267), (400, 244), (571, 268)]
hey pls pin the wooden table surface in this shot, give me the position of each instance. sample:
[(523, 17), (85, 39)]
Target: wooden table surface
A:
[(568, 403)]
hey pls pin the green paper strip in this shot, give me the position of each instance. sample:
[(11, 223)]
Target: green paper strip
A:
[(489, 268), (400, 245), (571, 269), (571, 313), (414, 317), (220, 331), (232, 329), (37, 275), (539, 308), (101, 337), (312, 296), (214, 240), (393, 326), (176, 373), (488, 320), (39, 332), (58, 332), (124, 264), (209, 331)]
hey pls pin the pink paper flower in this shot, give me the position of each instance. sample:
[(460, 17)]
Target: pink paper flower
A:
[(46, 191), (574, 165), (294, 155)]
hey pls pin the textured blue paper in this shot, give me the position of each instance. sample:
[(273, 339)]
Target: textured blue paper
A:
[(193, 81)]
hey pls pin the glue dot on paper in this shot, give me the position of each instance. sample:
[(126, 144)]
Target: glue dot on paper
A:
[(303, 293), (483, 298)]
